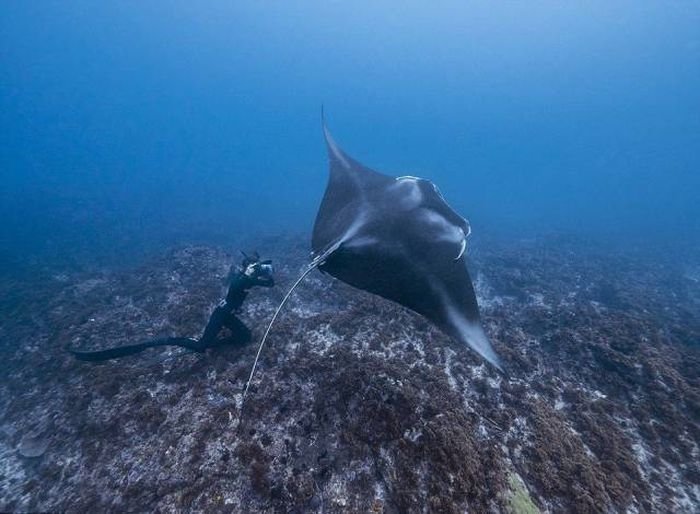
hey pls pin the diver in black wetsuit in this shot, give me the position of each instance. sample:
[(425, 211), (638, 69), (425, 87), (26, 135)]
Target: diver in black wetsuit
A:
[(252, 272)]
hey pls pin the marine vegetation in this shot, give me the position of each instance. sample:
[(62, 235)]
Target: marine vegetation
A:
[(364, 406)]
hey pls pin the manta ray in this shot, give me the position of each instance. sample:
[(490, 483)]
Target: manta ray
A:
[(395, 237)]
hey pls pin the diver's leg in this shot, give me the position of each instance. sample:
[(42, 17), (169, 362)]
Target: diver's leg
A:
[(220, 318), (217, 320), (240, 334)]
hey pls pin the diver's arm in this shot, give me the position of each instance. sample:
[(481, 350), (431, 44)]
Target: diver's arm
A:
[(250, 273)]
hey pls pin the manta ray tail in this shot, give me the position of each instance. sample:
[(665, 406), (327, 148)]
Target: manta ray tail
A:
[(314, 264)]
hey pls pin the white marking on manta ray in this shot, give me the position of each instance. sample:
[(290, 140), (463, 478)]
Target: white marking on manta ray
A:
[(347, 241), (414, 180), (408, 193), (437, 191), (353, 229), (449, 232), (360, 242)]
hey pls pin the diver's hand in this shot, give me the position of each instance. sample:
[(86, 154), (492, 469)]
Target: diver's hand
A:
[(257, 272)]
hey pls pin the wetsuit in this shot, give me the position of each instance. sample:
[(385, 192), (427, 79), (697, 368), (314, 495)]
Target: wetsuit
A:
[(250, 273)]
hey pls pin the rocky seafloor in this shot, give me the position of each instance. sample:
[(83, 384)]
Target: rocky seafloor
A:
[(358, 404)]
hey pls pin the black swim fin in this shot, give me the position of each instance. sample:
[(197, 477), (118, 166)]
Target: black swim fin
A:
[(124, 351)]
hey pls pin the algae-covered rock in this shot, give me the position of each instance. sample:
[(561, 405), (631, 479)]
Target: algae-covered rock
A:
[(518, 498), (360, 405), (33, 445)]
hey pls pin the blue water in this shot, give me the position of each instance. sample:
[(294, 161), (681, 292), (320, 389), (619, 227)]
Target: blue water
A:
[(128, 124)]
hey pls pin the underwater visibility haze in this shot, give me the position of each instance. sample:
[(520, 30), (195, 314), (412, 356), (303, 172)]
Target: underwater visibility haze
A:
[(139, 120), (146, 144)]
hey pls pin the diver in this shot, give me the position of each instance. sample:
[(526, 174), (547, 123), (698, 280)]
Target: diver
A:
[(251, 272)]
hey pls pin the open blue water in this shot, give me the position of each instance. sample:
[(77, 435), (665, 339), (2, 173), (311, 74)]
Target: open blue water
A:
[(568, 133), (128, 124)]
